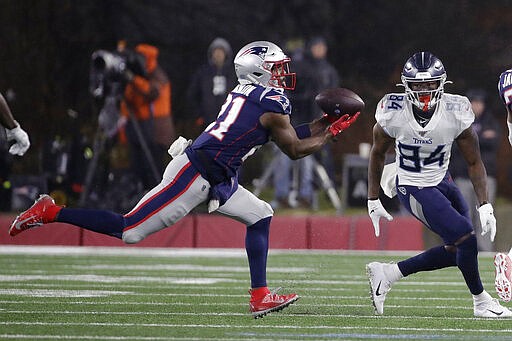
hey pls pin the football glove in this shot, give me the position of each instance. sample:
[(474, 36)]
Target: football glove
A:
[(342, 123), (178, 146), (21, 137), (376, 211), (487, 220)]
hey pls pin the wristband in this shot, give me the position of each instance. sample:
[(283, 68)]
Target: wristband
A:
[(303, 131)]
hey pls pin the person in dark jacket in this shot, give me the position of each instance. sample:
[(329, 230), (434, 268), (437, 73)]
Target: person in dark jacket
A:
[(488, 131), (211, 83), (316, 74)]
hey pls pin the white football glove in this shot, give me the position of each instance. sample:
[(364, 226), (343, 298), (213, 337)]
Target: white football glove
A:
[(178, 146), (21, 137), (487, 220), (376, 210)]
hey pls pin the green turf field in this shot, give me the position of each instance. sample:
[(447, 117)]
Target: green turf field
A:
[(169, 294)]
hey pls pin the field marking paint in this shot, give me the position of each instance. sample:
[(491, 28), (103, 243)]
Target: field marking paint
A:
[(19, 284), (327, 297), (184, 267), (201, 280), (301, 304), (61, 293), (120, 251), (113, 279), (294, 314), (96, 337), (265, 326)]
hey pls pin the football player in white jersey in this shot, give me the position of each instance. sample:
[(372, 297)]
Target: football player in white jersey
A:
[(422, 124)]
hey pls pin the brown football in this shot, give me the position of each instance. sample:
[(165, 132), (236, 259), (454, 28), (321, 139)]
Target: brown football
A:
[(339, 101)]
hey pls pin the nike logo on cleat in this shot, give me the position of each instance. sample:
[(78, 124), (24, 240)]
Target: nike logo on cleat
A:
[(377, 293), (21, 222), (494, 312)]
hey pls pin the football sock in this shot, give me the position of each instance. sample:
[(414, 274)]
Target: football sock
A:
[(100, 221), (256, 246), (481, 298), (392, 272), (259, 293), (432, 259), (467, 262)]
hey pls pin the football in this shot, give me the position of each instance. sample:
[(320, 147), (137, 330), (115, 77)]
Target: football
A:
[(339, 101)]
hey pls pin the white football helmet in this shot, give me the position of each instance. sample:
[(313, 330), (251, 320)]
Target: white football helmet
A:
[(265, 64)]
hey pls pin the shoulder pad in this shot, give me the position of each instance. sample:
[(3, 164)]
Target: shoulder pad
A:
[(459, 107), (388, 106), (505, 81), (275, 101), (392, 102), (505, 88), (456, 103)]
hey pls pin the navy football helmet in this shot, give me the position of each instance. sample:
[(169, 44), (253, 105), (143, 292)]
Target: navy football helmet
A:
[(423, 67)]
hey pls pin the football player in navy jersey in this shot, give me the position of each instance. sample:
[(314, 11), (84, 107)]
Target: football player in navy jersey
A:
[(255, 112), (13, 130), (505, 91), (422, 124), (503, 261)]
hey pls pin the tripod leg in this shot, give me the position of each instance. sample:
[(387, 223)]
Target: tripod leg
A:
[(328, 186), (262, 182), (145, 148), (293, 197), (98, 147)]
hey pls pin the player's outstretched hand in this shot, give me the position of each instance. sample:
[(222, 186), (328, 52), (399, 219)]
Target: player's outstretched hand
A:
[(376, 211), (342, 123), (22, 141), (487, 220)]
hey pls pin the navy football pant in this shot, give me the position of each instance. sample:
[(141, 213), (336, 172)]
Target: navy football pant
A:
[(443, 210)]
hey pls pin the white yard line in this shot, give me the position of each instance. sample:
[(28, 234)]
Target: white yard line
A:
[(179, 252), (258, 326), (225, 304)]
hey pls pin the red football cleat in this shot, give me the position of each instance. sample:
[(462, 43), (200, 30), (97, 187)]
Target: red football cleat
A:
[(41, 212), (263, 301), (503, 280)]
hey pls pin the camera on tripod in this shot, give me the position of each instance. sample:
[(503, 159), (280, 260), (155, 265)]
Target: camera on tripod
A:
[(109, 71)]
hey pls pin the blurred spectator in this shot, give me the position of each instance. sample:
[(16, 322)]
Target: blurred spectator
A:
[(488, 131), (314, 73), (149, 100), (211, 83)]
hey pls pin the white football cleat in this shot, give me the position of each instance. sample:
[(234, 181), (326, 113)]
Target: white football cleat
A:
[(491, 308), (502, 282), (380, 285)]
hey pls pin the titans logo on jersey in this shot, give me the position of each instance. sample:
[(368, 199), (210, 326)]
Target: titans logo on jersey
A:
[(237, 132), (505, 88)]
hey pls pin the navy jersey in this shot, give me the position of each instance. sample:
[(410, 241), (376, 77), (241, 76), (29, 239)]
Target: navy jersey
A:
[(237, 133), (505, 88)]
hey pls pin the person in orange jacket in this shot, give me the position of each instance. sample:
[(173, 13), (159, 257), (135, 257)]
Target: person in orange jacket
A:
[(148, 99)]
